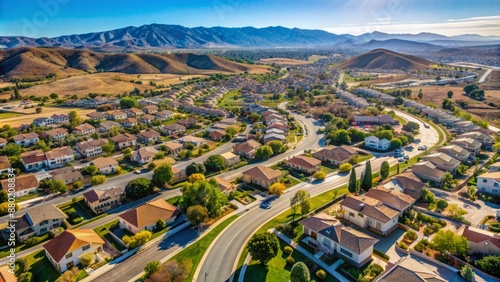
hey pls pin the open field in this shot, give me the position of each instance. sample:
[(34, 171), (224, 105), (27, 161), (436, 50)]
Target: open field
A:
[(314, 58), (47, 111), (382, 78), (436, 95), (283, 61), (492, 81)]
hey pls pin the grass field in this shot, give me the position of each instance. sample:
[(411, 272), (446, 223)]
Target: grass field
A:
[(9, 115), (46, 112), (194, 253), (41, 268)]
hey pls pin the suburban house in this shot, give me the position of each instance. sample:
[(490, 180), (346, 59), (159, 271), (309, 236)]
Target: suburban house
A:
[(230, 159), (65, 250), (280, 126), (370, 213), (337, 155), (68, 175), (105, 165), (495, 167), (443, 161), (26, 139), (481, 241), (381, 119), (469, 144), (246, 149), (485, 139), (305, 164), (54, 134), (144, 155), (455, 151), (178, 174), (196, 141), (275, 130), (225, 186), (107, 126), (489, 182), (145, 216), (100, 201), (147, 118), (116, 115), (54, 119), (262, 176), (134, 112), (150, 109), (228, 121), (148, 136), (24, 184), (38, 221), (410, 270), (328, 235), (188, 122), (34, 160), (3, 142), (174, 128), (391, 198), (59, 157), (406, 183), (129, 122), (427, 171), (6, 275), (90, 148), (174, 147), (84, 129), (97, 116), (124, 140), (217, 135), (274, 136), (4, 164), (376, 143), (164, 115)]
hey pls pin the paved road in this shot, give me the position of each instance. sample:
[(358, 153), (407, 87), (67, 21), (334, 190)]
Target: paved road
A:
[(221, 260)]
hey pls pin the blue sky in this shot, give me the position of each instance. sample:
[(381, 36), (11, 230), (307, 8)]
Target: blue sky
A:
[(39, 18)]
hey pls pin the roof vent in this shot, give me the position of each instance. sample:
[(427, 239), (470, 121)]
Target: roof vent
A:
[(361, 206)]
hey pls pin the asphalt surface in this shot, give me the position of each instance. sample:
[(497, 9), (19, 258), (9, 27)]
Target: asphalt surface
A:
[(221, 260)]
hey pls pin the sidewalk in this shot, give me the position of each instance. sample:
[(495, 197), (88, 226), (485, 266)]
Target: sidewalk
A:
[(330, 269)]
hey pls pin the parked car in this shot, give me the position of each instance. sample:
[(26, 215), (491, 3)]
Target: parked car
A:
[(426, 125), (401, 160), (265, 205), (406, 157)]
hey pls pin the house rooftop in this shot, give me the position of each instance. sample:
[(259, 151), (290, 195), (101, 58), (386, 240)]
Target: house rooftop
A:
[(94, 195), (102, 162), (23, 182), (149, 213), (371, 207), (304, 161), (263, 172), (71, 240)]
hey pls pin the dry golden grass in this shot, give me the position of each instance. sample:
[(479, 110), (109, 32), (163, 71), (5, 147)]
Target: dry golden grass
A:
[(314, 58), (166, 160), (47, 111), (283, 61)]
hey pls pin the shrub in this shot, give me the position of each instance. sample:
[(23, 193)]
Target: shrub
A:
[(428, 230), (345, 167), (288, 250), (403, 245), (32, 241), (442, 222), (436, 226), (321, 274), (77, 184), (354, 272), (320, 175), (421, 245), (87, 259), (290, 261), (381, 254), (411, 235)]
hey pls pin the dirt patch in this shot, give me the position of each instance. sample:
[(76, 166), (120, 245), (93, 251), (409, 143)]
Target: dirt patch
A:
[(492, 81), (46, 112)]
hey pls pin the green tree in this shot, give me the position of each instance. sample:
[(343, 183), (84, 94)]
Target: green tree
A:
[(448, 104), (276, 146), (448, 241), (467, 272), (206, 194), (98, 180), (385, 134), (396, 143), (151, 267), (74, 119), (263, 152), (263, 247), (108, 147), (196, 177), (428, 196), (277, 188), (90, 170), (302, 198), (193, 168), (127, 152), (469, 88), (420, 94), (160, 224), (339, 137), (345, 167), (11, 150), (162, 175), (456, 212), (197, 215), (384, 170), (26, 277), (127, 103), (215, 163), (138, 188), (462, 169), (254, 117), (4, 196), (23, 265), (139, 239), (57, 186), (353, 185), (411, 126), (441, 204), (320, 175), (447, 180), (300, 273), (489, 264), (366, 182), (450, 94), (38, 110)]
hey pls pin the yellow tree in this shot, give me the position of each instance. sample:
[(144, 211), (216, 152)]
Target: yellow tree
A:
[(277, 188), (195, 177)]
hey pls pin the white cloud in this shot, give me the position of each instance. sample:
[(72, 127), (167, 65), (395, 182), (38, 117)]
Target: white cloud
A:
[(476, 25)]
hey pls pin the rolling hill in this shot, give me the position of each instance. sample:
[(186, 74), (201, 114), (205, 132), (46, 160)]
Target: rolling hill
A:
[(35, 63), (385, 59), (397, 44)]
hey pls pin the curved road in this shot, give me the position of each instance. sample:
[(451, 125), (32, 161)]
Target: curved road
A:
[(220, 262)]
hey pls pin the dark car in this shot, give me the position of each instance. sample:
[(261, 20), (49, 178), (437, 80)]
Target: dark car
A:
[(265, 205)]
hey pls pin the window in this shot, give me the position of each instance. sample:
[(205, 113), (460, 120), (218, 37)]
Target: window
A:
[(485, 180), (44, 222), (86, 247), (68, 255), (346, 252), (352, 214)]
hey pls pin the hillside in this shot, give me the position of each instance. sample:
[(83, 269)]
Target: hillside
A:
[(397, 44), (385, 59), (35, 63)]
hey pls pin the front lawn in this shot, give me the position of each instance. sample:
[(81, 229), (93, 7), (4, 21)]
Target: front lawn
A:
[(328, 169), (41, 268), (103, 232), (362, 157), (77, 211), (21, 247), (277, 270), (194, 252)]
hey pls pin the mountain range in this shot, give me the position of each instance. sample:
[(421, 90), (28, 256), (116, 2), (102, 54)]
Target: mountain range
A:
[(162, 36)]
